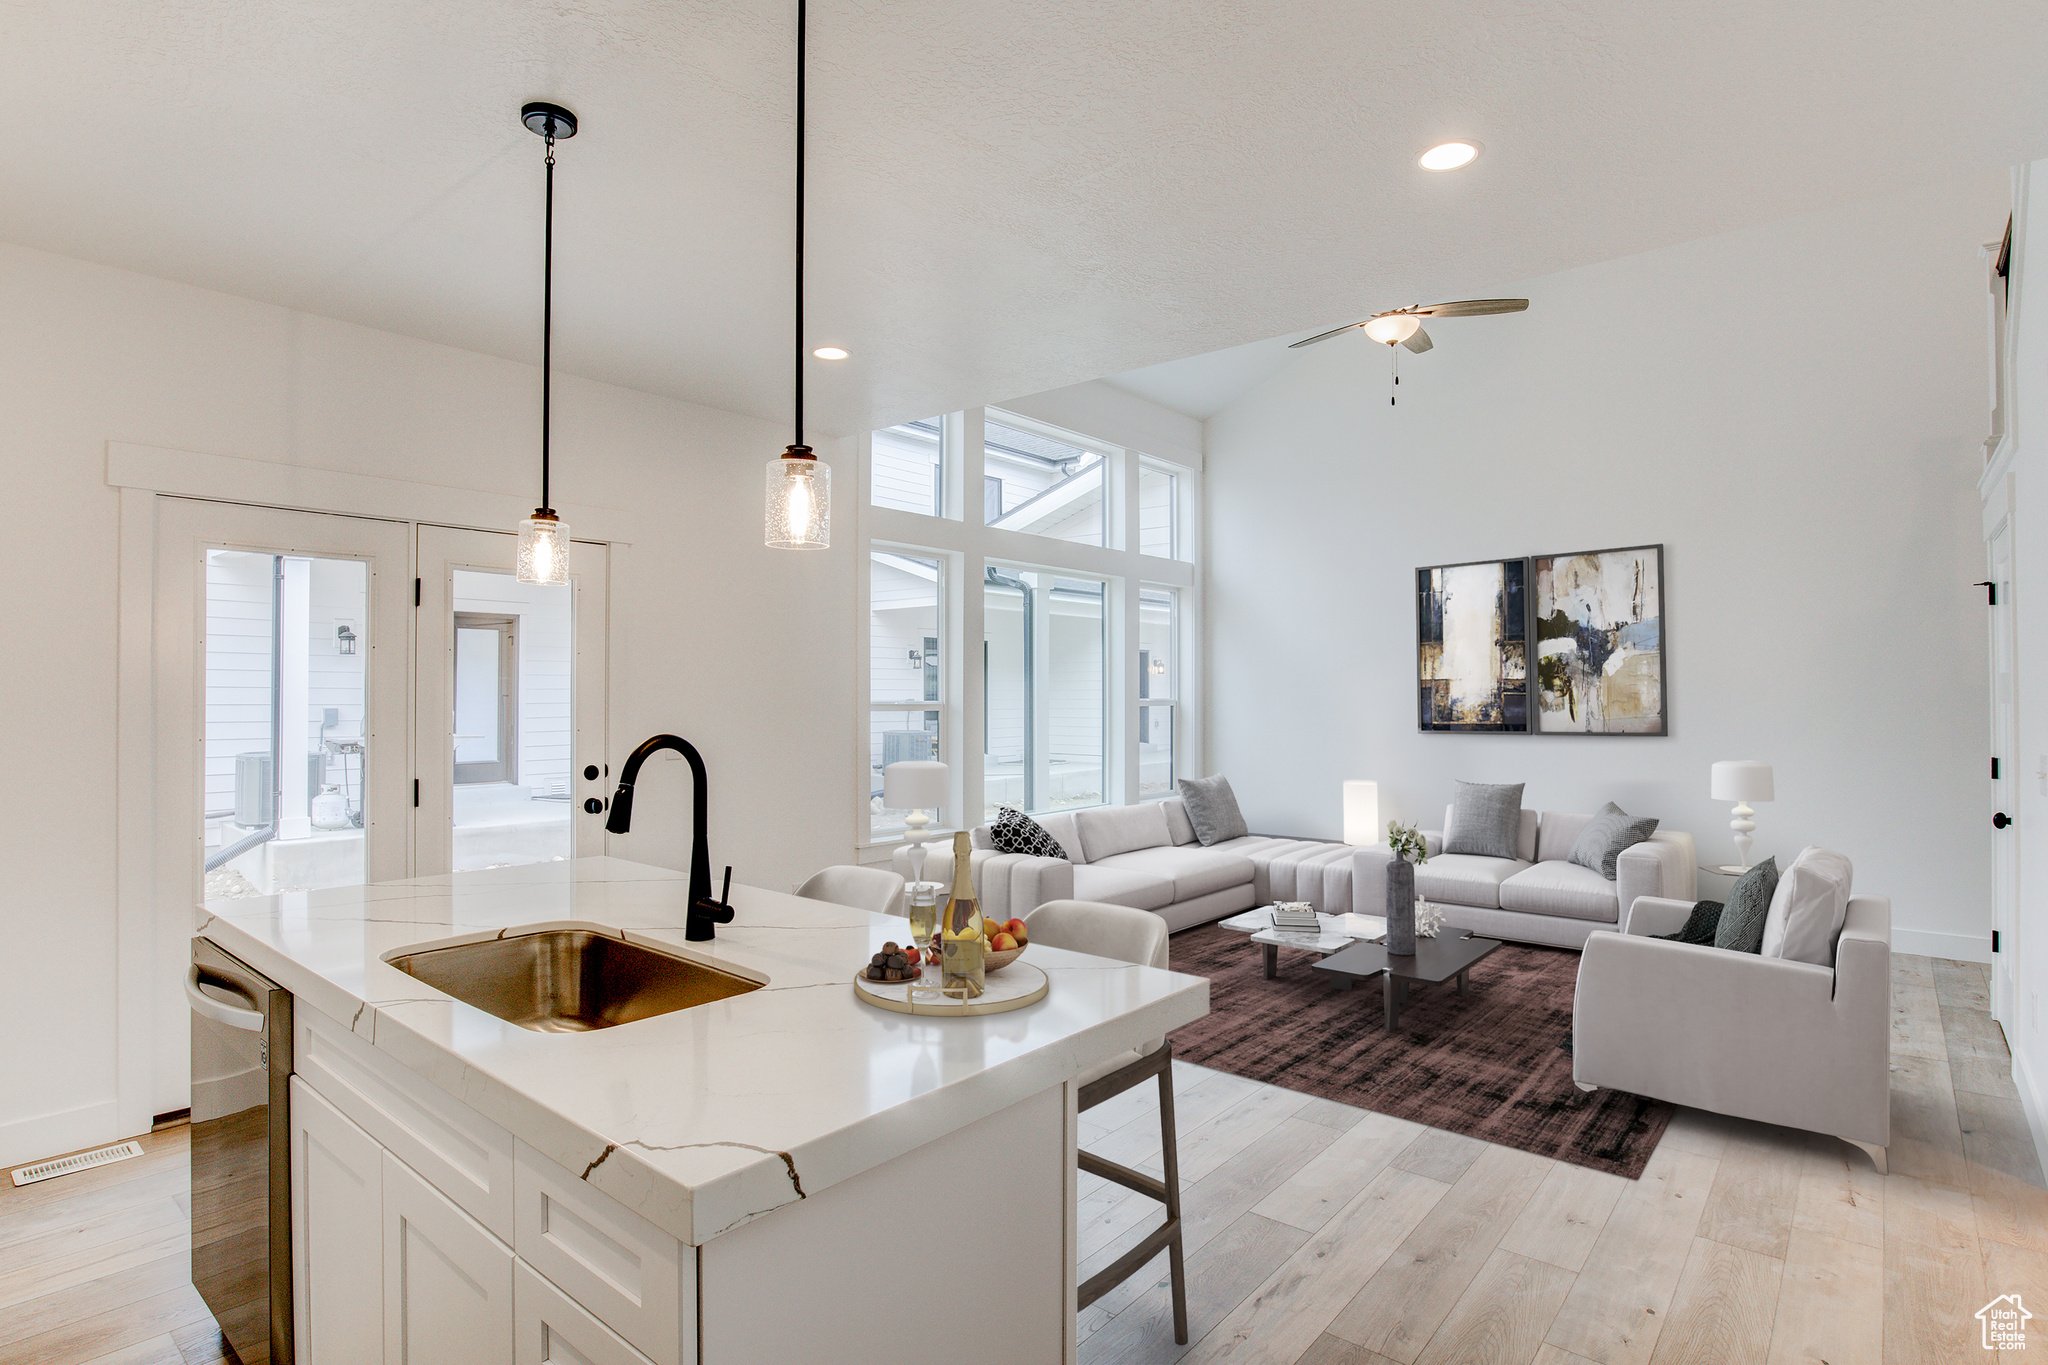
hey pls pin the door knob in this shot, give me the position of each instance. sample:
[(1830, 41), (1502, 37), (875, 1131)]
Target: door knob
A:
[(2000, 820), (593, 805)]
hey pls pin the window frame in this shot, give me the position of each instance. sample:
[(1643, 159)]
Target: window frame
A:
[(966, 546)]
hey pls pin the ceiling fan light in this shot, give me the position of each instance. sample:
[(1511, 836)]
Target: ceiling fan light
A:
[(1393, 328), (1448, 156)]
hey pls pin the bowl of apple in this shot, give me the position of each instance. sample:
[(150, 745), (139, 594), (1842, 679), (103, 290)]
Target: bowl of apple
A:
[(1006, 940)]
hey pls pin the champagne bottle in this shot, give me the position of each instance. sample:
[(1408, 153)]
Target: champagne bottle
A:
[(961, 946)]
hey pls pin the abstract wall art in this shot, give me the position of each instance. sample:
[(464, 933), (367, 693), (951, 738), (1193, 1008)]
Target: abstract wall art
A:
[(1472, 661), (1600, 642)]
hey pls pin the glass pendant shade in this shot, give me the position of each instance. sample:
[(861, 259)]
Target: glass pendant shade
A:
[(799, 503), (543, 550), (1393, 328)]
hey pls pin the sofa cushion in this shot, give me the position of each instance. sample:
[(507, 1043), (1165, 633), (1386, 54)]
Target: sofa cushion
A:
[(1297, 874), (1016, 832), (1563, 889), (1464, 879), (1212, 809), (1122, 886), (1559, 832), (1606, 835), (1109, 830), (1486, 819), (1192, 871), (1807, 909), (1062, 831), (1525, 838), (1182, 828), (1741, 929)]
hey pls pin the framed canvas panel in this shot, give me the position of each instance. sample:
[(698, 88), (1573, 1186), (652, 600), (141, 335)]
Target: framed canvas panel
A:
[(1600, 642), (1472, 637)]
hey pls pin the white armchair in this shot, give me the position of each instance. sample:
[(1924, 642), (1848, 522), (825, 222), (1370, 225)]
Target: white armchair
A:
[(1760, 1038)]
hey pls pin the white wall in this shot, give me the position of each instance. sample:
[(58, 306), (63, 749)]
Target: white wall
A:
[(724, 641), (1796, 411)]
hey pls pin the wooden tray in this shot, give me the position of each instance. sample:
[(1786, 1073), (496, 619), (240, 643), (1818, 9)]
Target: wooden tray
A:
[(1022, 984)]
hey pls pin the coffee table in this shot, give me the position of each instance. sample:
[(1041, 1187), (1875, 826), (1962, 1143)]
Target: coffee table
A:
[(1436, 961), (1336, 932)]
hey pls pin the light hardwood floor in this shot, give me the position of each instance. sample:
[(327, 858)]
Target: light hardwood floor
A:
[(1319, 1234)]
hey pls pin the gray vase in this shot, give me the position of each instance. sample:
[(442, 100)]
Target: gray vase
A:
[(1401, 908)]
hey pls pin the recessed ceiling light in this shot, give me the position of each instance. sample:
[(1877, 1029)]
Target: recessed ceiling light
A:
[(829, 353), (1449, 156)]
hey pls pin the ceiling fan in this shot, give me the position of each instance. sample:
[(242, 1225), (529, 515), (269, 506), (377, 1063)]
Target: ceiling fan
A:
[(1403, 326)]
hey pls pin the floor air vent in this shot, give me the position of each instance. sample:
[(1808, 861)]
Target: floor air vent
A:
[(84, 1161)]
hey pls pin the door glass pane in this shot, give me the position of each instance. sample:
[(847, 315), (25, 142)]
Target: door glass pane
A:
[(1042, 736), (513, 725), (1047, 487), (1158, 616), (1158, 512), (909, 467), (286, 646), (1155, 751), (903, 619)]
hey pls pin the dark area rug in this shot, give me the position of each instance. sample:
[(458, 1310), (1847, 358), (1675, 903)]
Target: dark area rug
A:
[(1491, 1064)]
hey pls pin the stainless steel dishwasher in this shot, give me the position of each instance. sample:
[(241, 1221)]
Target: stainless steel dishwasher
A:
[(241, 1153)]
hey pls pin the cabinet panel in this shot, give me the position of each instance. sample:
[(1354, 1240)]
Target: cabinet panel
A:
[(447, 1280), (337, 1235), (464, 1154), (611, 1260), (550, 1329)]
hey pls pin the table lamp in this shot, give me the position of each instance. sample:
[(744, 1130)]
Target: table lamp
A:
[(1362, 813), (1742, 781), (916, 785)]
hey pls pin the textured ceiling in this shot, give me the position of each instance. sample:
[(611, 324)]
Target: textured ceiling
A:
[(1006, 197)]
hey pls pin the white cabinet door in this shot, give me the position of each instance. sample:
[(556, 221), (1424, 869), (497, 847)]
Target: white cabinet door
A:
[(337, 1235), (555, 1330), (447, 1280)]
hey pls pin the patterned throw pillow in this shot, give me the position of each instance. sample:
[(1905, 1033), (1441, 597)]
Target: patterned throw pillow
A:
[(1016, 832), (1741, 928)]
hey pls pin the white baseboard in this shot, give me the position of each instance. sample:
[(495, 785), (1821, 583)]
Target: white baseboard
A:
[(68, 1130), (1927, 943), (2030, 1104)]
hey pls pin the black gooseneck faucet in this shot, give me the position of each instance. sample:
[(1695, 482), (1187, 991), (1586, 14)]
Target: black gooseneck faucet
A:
[(704, 911)]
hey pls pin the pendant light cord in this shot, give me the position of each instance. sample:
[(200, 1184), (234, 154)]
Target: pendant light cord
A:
[(547, 331), (800, 63)]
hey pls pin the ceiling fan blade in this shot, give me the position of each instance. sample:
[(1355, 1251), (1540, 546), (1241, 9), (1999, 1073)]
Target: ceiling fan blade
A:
[(1420, 342), (1472, 308), (1333, 332)]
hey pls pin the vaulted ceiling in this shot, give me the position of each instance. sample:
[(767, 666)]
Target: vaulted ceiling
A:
[(1006, 197)]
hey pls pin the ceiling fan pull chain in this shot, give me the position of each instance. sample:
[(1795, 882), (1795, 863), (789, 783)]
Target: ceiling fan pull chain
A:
[(1395, 352)]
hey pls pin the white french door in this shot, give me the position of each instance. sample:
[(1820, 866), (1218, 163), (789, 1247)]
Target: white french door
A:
[(282, 671), (509, 727)]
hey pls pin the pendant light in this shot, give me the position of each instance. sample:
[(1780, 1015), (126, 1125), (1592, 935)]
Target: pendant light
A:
[(544, 537), (799, 483)]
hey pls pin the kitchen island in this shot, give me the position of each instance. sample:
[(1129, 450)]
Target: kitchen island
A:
[(786, 1174)]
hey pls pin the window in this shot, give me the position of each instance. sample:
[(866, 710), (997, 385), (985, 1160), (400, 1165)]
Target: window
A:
[(910, 467), (904, 676), (1042, 689), (1158, 645), (1158, 512), (1043, 485)]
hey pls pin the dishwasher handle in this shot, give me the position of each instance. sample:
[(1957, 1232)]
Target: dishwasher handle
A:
[(206, 1007)]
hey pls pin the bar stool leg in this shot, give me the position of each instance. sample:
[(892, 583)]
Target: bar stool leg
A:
[(1170, 1135)]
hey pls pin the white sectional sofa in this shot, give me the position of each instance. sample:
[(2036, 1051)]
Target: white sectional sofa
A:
[(1537, 896), (1144, 856)]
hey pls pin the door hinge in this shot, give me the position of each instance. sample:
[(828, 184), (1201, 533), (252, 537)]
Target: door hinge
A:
[(1990, 593), (1994, 770), (415, 793), (415, 592), (1994, 940)]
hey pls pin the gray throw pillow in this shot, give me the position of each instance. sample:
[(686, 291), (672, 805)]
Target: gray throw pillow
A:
[(1212, 809), (1486, 820), (1741, 928), (1611, 831)]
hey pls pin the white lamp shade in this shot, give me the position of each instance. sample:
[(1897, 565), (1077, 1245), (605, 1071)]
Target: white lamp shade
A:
[(1362, 813), (1742, 779), (915, 784)]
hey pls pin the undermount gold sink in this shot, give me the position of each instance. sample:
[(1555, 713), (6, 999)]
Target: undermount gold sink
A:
[(569, 980)]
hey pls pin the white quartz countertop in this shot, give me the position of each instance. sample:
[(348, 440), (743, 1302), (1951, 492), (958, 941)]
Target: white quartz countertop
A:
[(708, 1117)]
